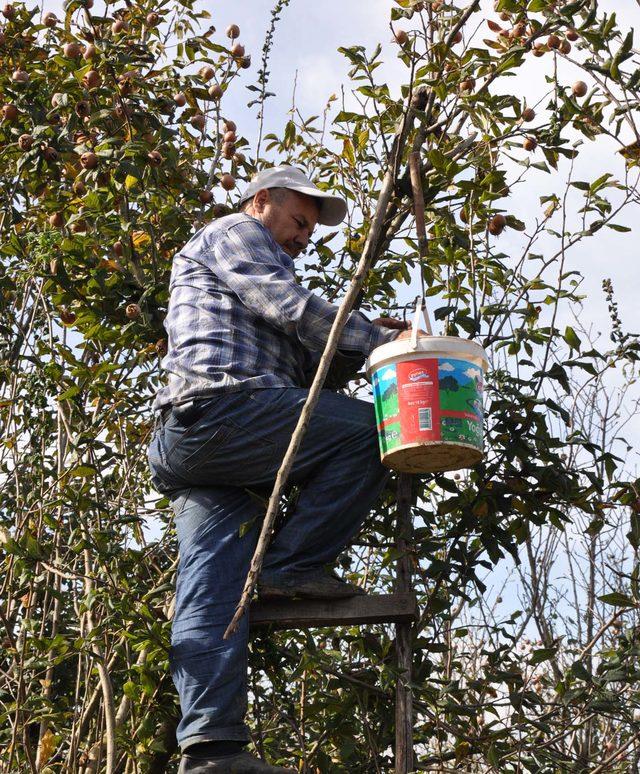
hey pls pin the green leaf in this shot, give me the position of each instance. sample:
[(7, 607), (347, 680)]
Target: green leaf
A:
[(580, 671), (617, 599), (572, 338), (542, 654), (82, 471)]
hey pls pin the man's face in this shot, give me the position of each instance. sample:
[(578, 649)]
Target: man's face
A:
[(290, 220)]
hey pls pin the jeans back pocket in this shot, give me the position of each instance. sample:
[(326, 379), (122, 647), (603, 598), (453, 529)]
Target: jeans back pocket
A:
[(206, 449)]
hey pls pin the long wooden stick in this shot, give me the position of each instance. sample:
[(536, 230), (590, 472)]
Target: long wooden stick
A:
[(314, 392), (404, 646)]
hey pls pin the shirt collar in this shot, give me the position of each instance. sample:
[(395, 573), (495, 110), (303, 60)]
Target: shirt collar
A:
[(286, 258)]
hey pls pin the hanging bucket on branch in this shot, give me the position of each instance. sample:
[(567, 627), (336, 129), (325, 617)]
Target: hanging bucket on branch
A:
[(428, 400)]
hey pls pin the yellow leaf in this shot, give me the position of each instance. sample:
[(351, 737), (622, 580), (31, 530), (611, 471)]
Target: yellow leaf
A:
[(140, 239), (631, 152), (130, 181), (47, 746), (347, 152)]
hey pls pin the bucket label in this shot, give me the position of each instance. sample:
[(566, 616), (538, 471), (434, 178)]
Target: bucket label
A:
[(430, 399)]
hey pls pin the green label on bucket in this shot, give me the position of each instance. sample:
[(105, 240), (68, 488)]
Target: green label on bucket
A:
[(430, 399)]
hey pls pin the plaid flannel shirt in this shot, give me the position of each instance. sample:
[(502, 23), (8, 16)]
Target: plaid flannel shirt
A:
[(238, 318)]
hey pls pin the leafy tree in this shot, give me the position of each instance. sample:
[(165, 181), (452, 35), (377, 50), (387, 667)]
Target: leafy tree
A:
[(114, 147), (449, 383)]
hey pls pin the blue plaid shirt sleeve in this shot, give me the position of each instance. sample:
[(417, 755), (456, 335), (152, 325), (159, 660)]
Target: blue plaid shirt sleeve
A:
[(251, 264)]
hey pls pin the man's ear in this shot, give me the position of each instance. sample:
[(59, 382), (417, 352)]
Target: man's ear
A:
[(260, 200)]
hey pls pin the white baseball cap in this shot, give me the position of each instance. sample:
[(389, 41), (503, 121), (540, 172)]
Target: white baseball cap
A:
[(332, 208)]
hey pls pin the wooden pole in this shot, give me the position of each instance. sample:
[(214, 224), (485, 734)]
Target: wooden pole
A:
[(404, 649)]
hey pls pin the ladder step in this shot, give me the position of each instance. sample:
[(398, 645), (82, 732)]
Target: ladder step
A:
[(302, 613)]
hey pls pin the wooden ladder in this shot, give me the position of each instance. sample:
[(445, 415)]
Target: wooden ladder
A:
[(399, 608)]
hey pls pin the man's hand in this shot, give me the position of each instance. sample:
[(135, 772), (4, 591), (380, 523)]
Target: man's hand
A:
[(401, 325), (392, 322)]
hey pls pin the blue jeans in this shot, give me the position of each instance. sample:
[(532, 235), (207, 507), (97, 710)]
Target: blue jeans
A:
[(205, 466)]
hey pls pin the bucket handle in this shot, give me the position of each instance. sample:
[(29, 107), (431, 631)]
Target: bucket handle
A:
[(421, 307)]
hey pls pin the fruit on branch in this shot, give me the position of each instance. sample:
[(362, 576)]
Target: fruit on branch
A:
[(467, 85), (233, 31), (155, 158), (90, 51), (25, 141), (198, 121), (205, 196), (579, 88), (230, 136), (50, 19), (206, 73), (228, 150), (126, 82), (92, 79), (497, 224), (228, 182), (237, 51), (539, 49), (118, 248), (20, 76), (9, 113), (215, 91), (161, 347), (565, 47), (401, 37), (457, 38), (529, 144), (89, 160), (553, 42), (245, 62), (528, 114), (72, 50), (133, 311), (152, 19), (118, 26), (82, 108), (79, 188), (180, 99), (9, 11), (572, 35), (50, 154), (67, 317), (56, 220)]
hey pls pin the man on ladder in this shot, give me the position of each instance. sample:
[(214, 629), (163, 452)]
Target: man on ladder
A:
[(244, 339)]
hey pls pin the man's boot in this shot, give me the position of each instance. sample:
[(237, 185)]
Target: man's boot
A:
[(240, 763), (320, 584)]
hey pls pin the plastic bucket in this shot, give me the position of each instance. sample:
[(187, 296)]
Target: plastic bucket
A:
[(428, 401)]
